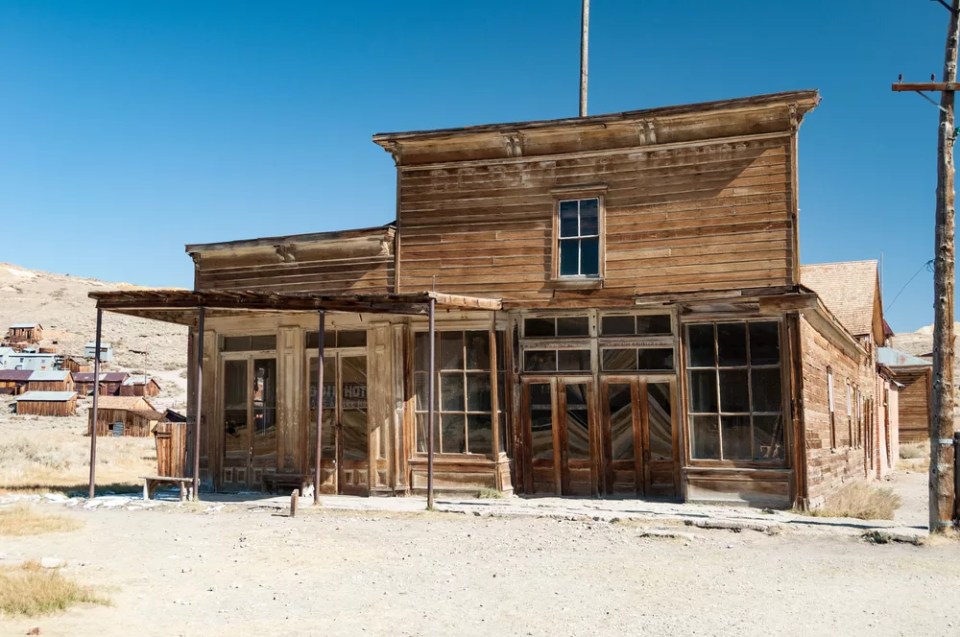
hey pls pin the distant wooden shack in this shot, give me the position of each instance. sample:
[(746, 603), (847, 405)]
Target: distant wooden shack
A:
[(25, 333), (51, 380), (915, 374), (77, 365), (47, 403), (110, 383), (13, 382), (139, 386), (124, 416)]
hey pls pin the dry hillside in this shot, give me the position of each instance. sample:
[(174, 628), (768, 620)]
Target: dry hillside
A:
[(921, 342)]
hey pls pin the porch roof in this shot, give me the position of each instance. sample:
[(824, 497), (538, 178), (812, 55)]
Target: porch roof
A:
[(182, 306)]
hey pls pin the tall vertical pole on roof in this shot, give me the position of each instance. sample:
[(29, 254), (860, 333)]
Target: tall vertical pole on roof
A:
[(197, 416), (321, 334), (431, 368), (96, 395), (584, 53)]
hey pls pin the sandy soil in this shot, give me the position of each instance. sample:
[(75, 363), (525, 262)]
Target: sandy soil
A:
[(190, 570)]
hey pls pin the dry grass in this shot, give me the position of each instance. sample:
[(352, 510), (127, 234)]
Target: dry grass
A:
[(23, 519), (914, 450), (860, 500), (30, 590)]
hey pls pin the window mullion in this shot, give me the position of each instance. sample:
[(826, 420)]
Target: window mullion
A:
[(716, 372), (753, 452)]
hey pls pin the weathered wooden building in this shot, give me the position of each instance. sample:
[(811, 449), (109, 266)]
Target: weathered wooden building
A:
[(51, 380), (47, 403), (21, 333), (915, 375), (76, 365), (619, 307), (110, 383), (139, 385), (124, 416), (14, 381)]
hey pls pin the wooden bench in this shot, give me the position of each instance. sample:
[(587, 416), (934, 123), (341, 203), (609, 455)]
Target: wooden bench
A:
[(273, 481), (150, 484)]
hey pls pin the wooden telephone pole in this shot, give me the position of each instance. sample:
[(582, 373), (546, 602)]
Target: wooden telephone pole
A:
[(941, 425)]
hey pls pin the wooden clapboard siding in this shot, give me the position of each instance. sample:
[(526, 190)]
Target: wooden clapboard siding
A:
[(914, 403), (707, 217)]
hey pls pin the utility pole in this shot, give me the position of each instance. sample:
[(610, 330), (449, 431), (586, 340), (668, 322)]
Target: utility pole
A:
[(941, 424), (584, 54)]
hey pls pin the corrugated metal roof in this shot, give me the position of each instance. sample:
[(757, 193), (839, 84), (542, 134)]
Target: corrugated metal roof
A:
[(46, 396), (137, 380), (93, 345), (49, 376), (15, 375), (895, 358), (106, 377), (24, 326), (848, 289)]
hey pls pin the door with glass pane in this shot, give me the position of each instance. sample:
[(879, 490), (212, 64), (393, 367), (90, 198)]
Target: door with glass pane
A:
[(345, 460), (249, 421), (640, 450), (560, 429)]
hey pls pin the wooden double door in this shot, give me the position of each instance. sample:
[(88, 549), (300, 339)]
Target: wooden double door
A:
[(620, 439), (249, 419), (344, 464)]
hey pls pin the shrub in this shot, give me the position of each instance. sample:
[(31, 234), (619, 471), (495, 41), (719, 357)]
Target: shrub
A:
[(30, 590), (24, 520), (860, 500)]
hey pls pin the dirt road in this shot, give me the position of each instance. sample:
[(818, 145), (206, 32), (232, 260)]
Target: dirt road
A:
[(188, 571)]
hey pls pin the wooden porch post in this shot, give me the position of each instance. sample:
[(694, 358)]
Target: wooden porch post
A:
[(197, 416), (96, 394), (316, 468), (431, 311)]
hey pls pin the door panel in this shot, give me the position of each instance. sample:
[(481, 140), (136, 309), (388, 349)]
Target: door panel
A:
[(543, 477), (236, 430), (263, 456), (577, 434), (622, 426), (354, 448), (660, 440), (328, 433)]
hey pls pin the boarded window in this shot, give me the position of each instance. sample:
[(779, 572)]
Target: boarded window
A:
[(640, 325), (579, 238), (556, 326), (735, 393)]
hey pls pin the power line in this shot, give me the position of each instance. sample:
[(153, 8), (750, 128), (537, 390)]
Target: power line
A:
[(926, 264)]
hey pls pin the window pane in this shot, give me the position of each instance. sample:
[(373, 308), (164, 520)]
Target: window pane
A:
[(700, 344), (764, 343), (705, 434), (573, 360), (656, 359), (422, 427), (617, 326), (420, 390), (589, 216), (568, 219), (235, 406), (573, 326), (619, 360), (421, 351), (766, 389), (569, 257), (478, 350), (451, 350), (480, 434), (590, 257), (733, 390), (451, 392), (329, 339), (621, 422), (352, 338), (453, 438), (478, 392), (732, 343), (541, 422), (264, 396), (535, 327), (736, 437), (768, 438), (654, 324), (578, 423), (540, 361), (703, 391), (660, 421)]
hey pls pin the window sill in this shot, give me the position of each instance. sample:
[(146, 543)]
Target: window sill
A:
[(576, 283)]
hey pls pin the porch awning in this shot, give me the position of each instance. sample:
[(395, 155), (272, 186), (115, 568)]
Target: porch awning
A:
[(182, 306)]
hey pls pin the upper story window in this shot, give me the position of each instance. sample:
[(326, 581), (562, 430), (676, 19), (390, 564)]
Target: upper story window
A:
[(578, 238)]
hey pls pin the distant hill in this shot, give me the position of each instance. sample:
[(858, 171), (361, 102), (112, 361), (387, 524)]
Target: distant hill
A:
[(60, 303)]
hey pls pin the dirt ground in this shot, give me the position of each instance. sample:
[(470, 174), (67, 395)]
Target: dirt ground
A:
[(215, 570)]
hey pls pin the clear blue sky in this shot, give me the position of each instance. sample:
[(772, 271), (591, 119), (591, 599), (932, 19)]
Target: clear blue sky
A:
[(130, 128)]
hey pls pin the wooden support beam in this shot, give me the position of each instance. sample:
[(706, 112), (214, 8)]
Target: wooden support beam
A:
[(926, 86)]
